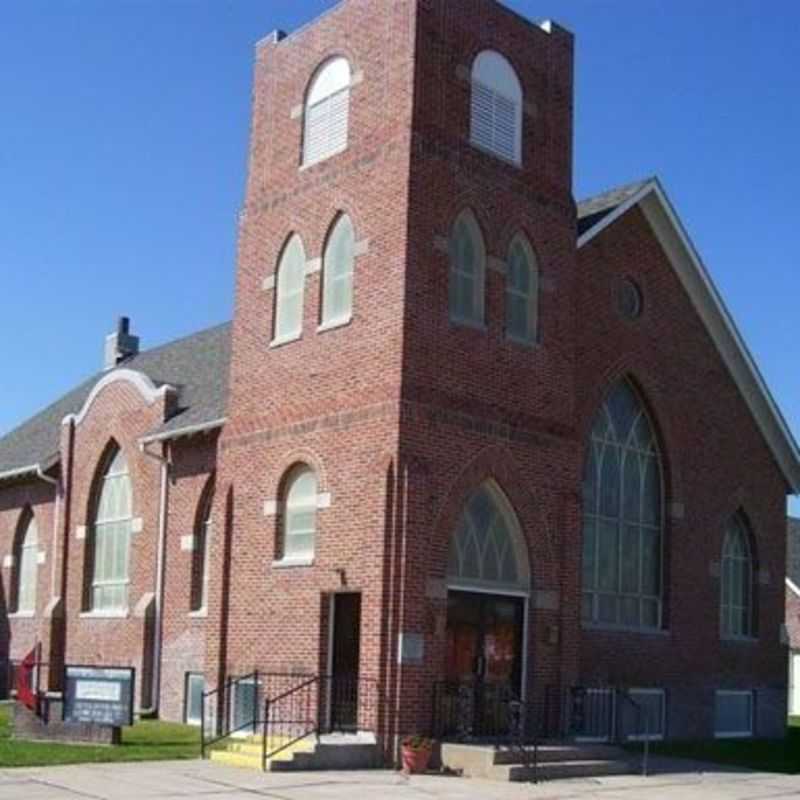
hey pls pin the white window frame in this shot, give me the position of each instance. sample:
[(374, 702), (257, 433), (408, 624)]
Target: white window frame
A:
[(597, 517), (531, 299), (27, 569), (329, 280), (468, 219), (289, 554), (735, 693), (327, 106), (282, 332), (736, 526), (190, 678), (232, 712), (608, 692), (650, 737), (99, 524), (494, 83)]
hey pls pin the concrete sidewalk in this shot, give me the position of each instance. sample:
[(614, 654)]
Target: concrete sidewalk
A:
[(187, 780)]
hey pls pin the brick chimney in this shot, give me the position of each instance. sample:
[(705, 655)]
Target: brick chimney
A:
[(120, 345)]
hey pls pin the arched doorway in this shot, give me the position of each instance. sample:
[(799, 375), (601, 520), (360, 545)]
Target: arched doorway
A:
[(488, 586)]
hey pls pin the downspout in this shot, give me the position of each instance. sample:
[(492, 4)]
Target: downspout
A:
[(53, 560), (159, 588)]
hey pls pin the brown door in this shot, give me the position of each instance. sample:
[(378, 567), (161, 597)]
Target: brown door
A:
[(484, 661), (346, 653)]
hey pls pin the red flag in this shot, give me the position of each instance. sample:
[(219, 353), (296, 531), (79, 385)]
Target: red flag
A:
[(25, 693)]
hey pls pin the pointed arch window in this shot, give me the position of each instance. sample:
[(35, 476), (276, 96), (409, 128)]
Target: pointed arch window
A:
[(736, 582), (522, 292), (26, 567), (290, 291), (202, 545), (300, 514), (327, 112), (622, 516), (496, 107), (467, 271), (111, 535), (337, 279), (486, 549)]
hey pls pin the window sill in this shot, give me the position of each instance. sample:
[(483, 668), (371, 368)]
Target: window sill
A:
[(512, 162), (608, 628), (531, 344), (334, 324), (22, 615), (201, 613), (122, 613), (285, 340), (289, 563), (463, 322), (747, 640), (326, 157), (733, 735)]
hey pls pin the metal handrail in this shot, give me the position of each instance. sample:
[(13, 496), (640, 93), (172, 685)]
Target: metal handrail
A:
[(226, 693)]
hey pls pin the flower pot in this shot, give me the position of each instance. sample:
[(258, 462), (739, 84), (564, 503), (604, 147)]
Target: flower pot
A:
[(415, 761)]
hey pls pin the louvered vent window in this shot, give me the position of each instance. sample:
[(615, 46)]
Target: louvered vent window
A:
[(327, 112), (496, 107)]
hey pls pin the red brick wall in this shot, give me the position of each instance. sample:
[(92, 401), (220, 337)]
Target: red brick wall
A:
[(793, 618), (331, 398), (716, 463), (18, 634)]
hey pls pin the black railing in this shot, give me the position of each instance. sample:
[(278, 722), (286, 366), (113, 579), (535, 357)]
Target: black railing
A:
[(229, 709), (474, 711), (598, 714), (299, 706)]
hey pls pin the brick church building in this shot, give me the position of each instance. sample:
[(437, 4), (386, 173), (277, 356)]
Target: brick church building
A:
[(461, 432)]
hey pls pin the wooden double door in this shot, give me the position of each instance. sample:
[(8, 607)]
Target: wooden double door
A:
[(484, 660)]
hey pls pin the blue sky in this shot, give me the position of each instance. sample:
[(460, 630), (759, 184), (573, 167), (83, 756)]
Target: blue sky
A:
[(123, 136)]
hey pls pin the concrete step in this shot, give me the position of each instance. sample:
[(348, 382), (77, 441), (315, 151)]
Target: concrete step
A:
[(548, 753), (560, 770), (334, 752)]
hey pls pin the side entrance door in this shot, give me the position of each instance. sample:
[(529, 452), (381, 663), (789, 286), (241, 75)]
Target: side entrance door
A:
[(345, 655)]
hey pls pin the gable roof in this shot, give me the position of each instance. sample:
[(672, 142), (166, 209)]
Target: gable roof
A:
[(196, 366), (601, 212)]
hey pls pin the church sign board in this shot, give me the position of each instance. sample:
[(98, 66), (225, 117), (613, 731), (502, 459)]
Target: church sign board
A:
[(99, 695)]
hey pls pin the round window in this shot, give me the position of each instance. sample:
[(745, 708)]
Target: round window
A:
[(629, 299)]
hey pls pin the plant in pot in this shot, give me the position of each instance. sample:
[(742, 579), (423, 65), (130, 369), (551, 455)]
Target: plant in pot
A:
[(416, 752)]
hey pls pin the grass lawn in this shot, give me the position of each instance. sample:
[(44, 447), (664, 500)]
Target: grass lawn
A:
[(146, 741), (764, 755)]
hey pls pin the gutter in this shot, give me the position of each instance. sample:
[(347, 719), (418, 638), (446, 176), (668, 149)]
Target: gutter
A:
[(189, 430), (159, 588)]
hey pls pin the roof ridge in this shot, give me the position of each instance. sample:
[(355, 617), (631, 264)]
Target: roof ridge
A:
[(172, 342)]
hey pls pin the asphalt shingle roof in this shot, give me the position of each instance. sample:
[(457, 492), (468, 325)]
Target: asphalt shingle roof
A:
[(197, 366)]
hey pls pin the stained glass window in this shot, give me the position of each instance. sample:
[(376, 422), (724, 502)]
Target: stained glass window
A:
[(622, 516)]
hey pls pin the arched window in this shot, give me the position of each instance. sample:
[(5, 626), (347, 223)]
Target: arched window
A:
[(736, 579), (487, 549), (337, 280), (202, 544), (496, 107), (622, 516), (522, 292), (467, 270), (111, 535), (300, 514), (290, 291), (25, 563), (327, 112)]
